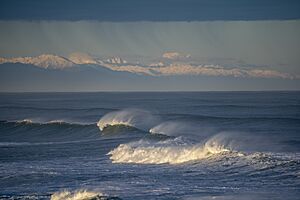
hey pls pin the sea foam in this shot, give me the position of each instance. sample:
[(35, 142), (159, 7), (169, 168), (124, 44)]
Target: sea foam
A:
[(171, 151), (76, 195)]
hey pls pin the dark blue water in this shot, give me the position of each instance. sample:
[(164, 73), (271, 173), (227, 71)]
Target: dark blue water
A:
[(166, 145)]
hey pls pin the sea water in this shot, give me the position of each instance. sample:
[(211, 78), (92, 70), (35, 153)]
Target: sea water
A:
[(154, 145)]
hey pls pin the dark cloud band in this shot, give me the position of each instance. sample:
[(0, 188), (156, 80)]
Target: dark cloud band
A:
[(145, 10)]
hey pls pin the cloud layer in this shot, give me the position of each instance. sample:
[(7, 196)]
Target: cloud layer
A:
[(145, 10)]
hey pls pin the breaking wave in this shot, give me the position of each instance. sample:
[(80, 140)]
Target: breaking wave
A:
[(171, 151), (25, 121), (81, 195), (78, 195), (168, 128), (173, 148), (217, 149), (137, 118)]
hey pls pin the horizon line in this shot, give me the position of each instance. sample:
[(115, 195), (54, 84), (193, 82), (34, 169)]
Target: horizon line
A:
[(149, 91)]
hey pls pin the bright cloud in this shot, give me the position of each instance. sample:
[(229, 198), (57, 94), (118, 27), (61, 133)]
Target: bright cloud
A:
[(175, 55)]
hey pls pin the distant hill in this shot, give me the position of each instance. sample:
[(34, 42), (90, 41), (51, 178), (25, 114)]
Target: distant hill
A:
[(56, 73), (28, 77)]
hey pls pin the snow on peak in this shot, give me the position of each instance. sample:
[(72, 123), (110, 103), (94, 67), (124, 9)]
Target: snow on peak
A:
[(175, 55), (158, 64), (116, 60), (176, 65), (81, 58), (53, 61), (44, 61)]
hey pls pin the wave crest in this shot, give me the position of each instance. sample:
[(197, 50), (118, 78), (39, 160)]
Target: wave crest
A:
[(172, 151), (168, 128), (77, 195), (137, 118), (81, 195), (51, 122), (25, 121)]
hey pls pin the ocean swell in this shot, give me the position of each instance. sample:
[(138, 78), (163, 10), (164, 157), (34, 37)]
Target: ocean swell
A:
[(43, 123)]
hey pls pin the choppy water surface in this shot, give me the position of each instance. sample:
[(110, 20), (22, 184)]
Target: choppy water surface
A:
[(206, 145)]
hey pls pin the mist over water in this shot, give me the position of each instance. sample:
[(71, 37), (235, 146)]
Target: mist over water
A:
[(206, 145)]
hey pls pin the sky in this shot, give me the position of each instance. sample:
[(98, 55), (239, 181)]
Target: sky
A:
[(145, 10), (257, 34)]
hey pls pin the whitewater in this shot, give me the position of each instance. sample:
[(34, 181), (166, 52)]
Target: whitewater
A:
[(175, 145)]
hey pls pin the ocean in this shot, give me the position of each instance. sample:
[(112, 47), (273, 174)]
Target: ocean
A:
[(150, 145)]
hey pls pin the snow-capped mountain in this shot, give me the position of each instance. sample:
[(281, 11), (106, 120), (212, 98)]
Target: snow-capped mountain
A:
[(174, 67), (44, 61), (60, 62), (82, 58), (116, 60), (175, 55)]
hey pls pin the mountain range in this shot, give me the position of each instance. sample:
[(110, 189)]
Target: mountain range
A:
[(170, 71)]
